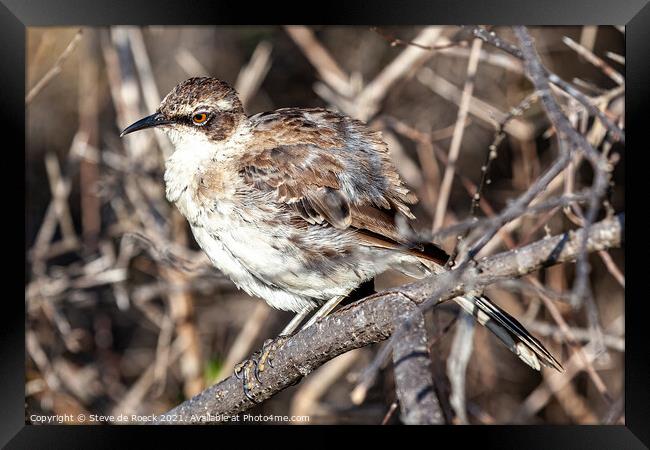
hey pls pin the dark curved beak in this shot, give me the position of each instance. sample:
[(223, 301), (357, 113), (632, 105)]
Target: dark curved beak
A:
[(153, 120)]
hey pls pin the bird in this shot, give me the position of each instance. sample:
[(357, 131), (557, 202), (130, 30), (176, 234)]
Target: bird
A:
[(299, 207)]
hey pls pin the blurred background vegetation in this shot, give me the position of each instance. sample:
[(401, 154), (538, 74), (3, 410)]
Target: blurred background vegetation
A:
[(116, 325)]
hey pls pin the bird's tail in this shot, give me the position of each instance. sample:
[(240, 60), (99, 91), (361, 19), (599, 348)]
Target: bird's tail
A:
[(500, 323), (509, 331)]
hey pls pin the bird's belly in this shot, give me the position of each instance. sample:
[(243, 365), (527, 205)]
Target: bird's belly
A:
[(244, 276), (268, 264)]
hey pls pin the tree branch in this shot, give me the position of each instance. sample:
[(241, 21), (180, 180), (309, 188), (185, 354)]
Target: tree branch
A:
[(373, 319), (413, 381), (615, 132)]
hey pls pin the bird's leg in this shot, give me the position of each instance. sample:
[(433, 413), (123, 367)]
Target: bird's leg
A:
[(325, 310), (245, 370), (295, 322), (259, 360), (364, 290), (270, 346)]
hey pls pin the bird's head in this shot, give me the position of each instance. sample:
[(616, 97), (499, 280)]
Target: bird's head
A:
[(201, 107)]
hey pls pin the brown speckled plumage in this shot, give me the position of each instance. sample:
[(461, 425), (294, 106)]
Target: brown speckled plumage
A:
[(297, 206)]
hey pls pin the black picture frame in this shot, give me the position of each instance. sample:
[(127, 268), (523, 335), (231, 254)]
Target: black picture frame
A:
[(16, 15)]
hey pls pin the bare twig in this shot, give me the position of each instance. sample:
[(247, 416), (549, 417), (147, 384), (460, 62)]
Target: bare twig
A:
[(616, 57), (368, 101), (389, 413), (59, 187), (320, 58), (588, 36), (519, 128), (150, 89), (572, 341), (612, 267), (581, 334), (454, 149), (190, 64), (245, 339), (553, 383), (595, 60), (252, 74), (394, 41), (461, 350), (55, 70)]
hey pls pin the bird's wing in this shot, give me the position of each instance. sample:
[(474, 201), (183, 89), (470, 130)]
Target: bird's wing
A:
[(330, 168)]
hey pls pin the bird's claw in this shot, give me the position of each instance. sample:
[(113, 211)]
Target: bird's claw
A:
[(267, 353), (243, 373), (253, 367)]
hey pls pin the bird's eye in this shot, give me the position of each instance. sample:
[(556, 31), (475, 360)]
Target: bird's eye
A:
[(200, 118)]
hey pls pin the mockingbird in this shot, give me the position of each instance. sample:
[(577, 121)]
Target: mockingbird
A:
[(298, 206)]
